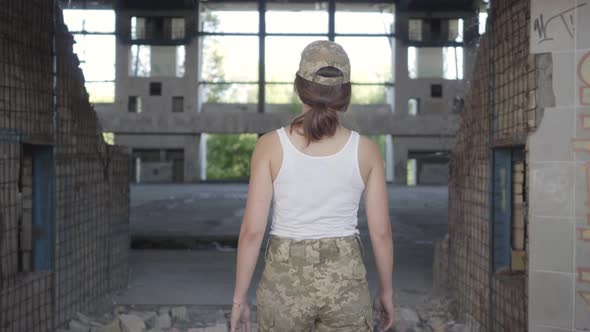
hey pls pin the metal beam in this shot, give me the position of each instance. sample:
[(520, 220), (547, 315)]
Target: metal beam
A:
[(331, 19), (261, 54)]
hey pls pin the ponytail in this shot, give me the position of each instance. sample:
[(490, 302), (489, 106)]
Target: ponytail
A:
[(324, 101)]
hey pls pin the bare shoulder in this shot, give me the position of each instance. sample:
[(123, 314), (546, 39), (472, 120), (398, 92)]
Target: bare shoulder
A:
[(267, 144), (369, 150), (369, 157)]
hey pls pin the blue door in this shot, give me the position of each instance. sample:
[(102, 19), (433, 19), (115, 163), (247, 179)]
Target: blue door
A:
[(43, 207), (502, 208)]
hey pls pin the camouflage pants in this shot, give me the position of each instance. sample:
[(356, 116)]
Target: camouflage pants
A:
[(314, 285)]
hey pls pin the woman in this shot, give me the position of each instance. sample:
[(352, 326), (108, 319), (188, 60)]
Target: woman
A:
[(315, 171)]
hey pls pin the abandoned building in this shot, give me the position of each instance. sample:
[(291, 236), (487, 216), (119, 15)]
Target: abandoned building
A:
[(518, 250), (169, 93), (64, 190), (488, 98)]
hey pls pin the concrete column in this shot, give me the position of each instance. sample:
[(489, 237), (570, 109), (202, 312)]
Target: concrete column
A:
[(559, 167), (192, 162), (388, 158), (123, 26), (400, 162)]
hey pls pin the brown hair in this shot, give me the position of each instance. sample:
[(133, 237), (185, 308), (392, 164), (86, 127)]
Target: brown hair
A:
[(324, 101)]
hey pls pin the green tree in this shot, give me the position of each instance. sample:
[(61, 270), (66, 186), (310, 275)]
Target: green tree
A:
[(228, 156), (213, 64)]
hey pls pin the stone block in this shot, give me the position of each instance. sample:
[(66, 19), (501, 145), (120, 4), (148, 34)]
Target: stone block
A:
[(131, 323), (76, 326), (114, 326), (179, 313), (163, 321), (518, 260), (148, 317)]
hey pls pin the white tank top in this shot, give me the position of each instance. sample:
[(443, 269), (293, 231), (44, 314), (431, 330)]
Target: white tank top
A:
[(317, 196)]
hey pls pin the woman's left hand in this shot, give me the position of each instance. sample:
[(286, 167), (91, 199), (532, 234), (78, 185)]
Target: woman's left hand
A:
[(240, 317)]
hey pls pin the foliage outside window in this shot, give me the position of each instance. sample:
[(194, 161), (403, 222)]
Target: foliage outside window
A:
[(229, 68), (228, 156)]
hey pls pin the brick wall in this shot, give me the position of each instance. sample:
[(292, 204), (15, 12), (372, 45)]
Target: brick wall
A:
[(499, 112), (87, 254)]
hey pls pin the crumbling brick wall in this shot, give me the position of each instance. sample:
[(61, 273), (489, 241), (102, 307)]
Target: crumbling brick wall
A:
[(44, 106), (499, 111)]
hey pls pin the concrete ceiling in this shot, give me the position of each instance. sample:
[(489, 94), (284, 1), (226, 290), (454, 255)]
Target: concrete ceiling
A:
[(403, 5), (437, 5)]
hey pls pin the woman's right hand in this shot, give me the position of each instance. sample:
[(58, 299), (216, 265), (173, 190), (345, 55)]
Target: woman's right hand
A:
[(383, 310)]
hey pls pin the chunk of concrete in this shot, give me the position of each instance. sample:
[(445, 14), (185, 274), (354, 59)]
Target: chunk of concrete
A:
[(164, 310), (179, 313), (148, 317), (163, 321), (131, 323), (437, 325), (114, 326), (407, 315), (76, 326)]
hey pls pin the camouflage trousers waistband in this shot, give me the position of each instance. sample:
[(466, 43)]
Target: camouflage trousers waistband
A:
[(313, 250)]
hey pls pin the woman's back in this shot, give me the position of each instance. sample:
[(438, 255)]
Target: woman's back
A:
[(317, 195), (314, 275)]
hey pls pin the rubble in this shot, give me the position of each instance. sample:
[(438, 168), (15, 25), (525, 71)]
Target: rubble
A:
[(428, 313), (131, 323)]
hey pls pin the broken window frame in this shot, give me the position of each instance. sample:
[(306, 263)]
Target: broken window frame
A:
[(141, 64), (413, 106), (452, 64), (92, 85), (134, 104), (262, 34), (144, 28), (177, 104)]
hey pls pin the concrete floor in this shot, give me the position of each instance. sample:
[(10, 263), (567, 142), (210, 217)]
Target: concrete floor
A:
[(213, 211)]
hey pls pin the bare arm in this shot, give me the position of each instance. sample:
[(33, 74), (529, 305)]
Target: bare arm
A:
[(377, 208), (255, 217)]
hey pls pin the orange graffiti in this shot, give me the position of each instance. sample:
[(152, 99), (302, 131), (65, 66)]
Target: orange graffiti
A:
[(585, 119), (584, 274), (583, 234), (585, 296), (584, 75), (581, 145)]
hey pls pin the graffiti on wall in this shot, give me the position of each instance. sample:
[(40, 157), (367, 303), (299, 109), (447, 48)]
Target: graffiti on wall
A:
[(546, 26), (583, 145), (553, 25)]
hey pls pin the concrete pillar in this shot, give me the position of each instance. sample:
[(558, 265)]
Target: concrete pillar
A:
[(388, 158), (203, 156), (192, 160), (400, 162)]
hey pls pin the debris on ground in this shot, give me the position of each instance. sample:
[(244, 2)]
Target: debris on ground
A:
[(430, 314)]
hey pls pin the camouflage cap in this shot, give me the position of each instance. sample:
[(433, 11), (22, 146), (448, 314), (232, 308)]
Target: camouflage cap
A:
[(324, 53)]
